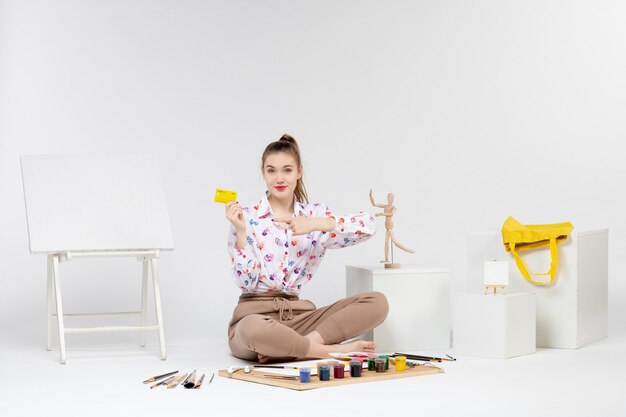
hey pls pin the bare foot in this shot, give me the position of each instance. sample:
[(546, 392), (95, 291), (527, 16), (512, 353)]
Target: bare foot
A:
[(262, 358), (317, 350)]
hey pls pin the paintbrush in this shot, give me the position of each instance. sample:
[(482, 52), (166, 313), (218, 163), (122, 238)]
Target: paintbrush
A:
[(275, 366), (276, 376), (425, 358), (410, 363), (156, 378), (199, 383), (177, 381), (165, 381), (190, 381)]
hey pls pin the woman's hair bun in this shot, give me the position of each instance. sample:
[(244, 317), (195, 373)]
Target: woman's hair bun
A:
[(288, 138)]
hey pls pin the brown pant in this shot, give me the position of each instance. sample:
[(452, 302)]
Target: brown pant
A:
[(275, 324)]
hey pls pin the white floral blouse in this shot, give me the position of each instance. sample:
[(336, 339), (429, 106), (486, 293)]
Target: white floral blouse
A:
[(274, 260)]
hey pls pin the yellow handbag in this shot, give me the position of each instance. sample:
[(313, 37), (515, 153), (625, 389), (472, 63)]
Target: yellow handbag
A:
[(518, 237)]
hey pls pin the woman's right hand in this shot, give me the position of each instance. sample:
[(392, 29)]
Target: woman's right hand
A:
[(234, 214)]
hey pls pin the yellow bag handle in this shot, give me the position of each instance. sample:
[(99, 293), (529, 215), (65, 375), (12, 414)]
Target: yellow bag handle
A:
[(523, 268)]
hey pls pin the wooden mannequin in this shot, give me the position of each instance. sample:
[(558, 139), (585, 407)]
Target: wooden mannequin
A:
[(389, 211)]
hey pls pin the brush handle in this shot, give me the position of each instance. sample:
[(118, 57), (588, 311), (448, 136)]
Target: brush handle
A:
[(156, 378)]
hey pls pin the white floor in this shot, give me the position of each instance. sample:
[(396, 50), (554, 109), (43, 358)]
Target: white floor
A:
[(106, 380)]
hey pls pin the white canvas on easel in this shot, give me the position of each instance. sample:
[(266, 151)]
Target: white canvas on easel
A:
[(495, 276), (96, 205)]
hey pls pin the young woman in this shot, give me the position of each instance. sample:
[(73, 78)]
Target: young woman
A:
[(276, 247)]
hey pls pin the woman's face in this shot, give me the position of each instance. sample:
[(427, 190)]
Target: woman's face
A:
[(281, 173)]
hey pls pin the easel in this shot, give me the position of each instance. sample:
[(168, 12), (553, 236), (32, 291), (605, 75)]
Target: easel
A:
[(495, 276), (494, 288), (148, 258), (115, 207)]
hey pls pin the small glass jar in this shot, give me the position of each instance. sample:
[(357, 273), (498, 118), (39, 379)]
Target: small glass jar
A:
[(355, 368), (339, 370), (371, 363), (324, 373), (386, 358), (400, 363), (332, 364), (380, 365), (305, 375), (320, 364)]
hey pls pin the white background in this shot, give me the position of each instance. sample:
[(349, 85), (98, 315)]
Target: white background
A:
[(467, 111)]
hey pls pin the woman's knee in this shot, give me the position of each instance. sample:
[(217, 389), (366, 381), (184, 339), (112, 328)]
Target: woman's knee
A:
[(252, 328), (379, 303)]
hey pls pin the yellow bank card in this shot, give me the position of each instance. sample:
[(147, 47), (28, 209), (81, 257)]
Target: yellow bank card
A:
[(225, 196)]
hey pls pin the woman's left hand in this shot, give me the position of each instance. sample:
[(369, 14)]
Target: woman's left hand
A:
[(302, 225)]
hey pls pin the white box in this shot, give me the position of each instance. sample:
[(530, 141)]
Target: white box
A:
[(572, 312), (419, 305), (494, 326)]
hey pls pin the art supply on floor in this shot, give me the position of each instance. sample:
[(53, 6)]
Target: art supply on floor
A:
[(212, 376), (176, 381), (338, 370), (200, 381), (380, 365), (187, 380), (305, 375), (156, 378), (386, 358), (290, 378), (319, 365), (246, 369), (324, 373), (164, 382), (371, 363), (190, 381), (355, 368), (400, 363), (425, 358)]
